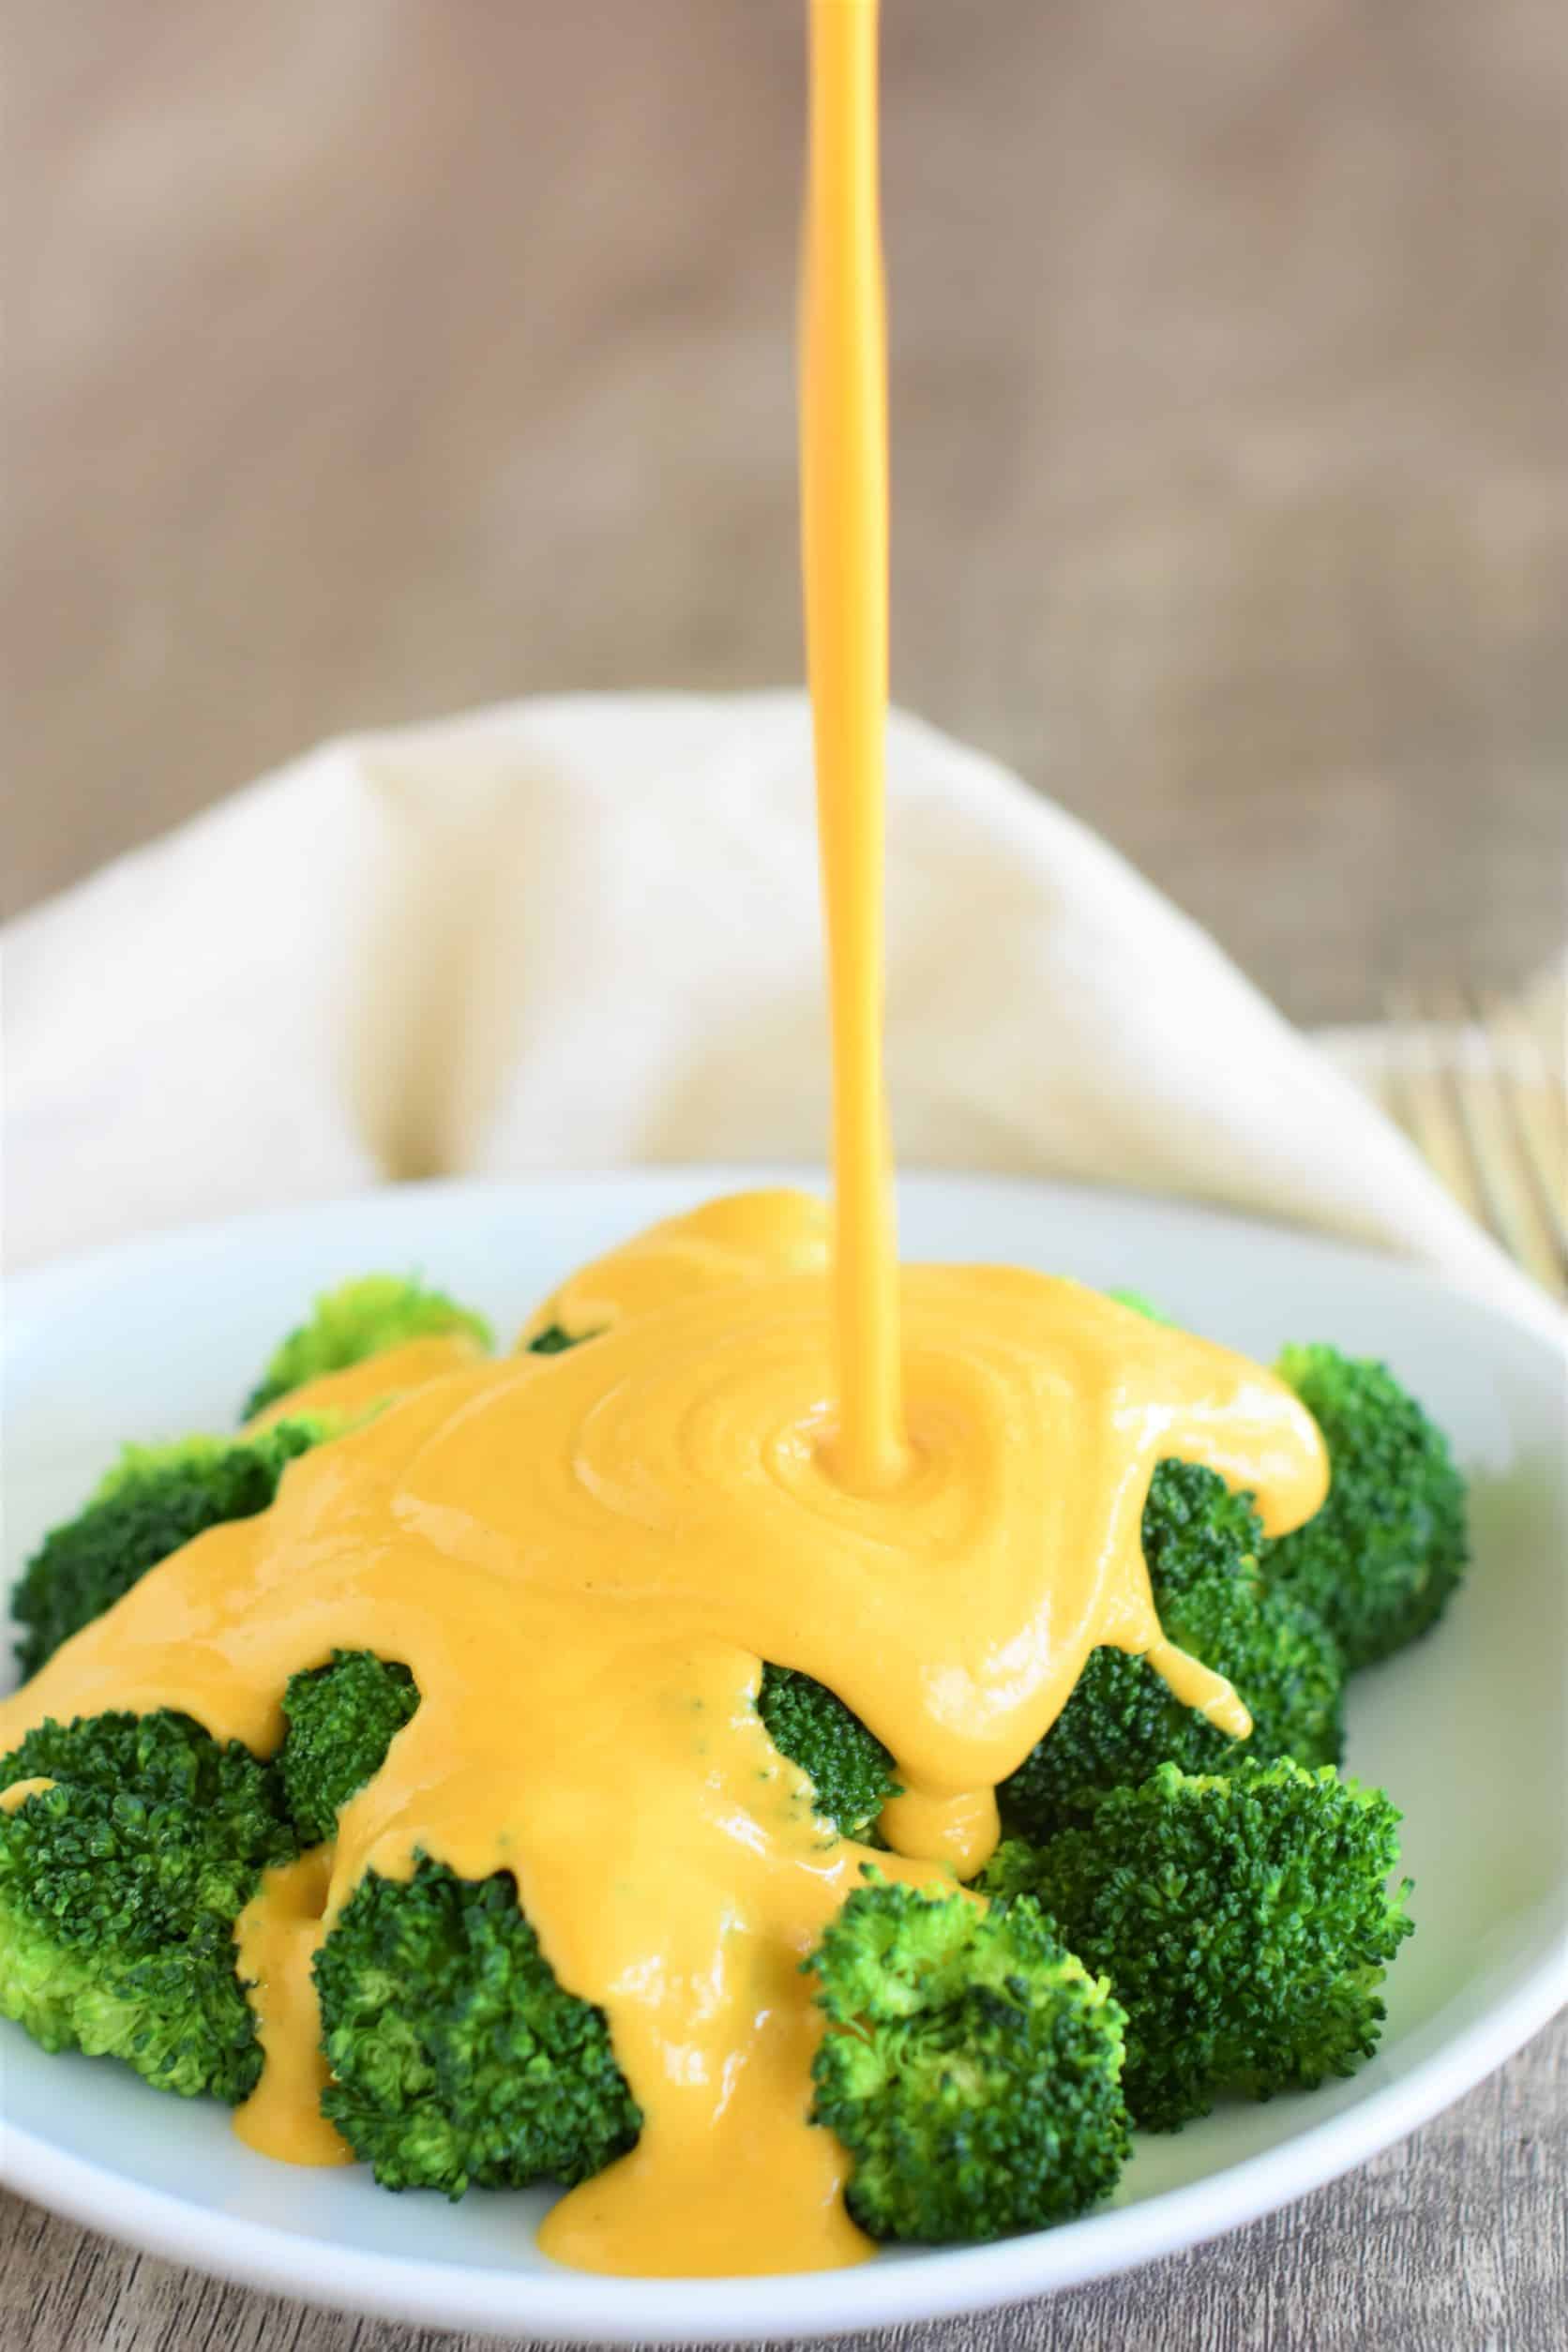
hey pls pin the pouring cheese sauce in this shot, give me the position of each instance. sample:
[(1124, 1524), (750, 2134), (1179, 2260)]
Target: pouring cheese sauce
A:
[(923, 1487)]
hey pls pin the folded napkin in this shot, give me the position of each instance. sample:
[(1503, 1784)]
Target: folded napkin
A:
[(579, 932)]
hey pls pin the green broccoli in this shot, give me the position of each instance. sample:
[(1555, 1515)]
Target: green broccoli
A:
[(156, 1498), (850, 1770), (343, 1718), (553, 1341), (456, 2056), (360, 1319), (119, 1890), (1200, 1542), (1141, 1305), (1245, 1924), (971, 2067), (1381, 1558)]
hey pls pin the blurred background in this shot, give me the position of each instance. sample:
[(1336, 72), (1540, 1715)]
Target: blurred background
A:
[(375, 359)]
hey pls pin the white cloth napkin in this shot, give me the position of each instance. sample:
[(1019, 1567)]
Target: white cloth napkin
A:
[(584, 931)]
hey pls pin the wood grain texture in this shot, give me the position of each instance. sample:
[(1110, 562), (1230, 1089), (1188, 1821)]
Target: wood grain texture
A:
[(375, 359), (1454, 2241)]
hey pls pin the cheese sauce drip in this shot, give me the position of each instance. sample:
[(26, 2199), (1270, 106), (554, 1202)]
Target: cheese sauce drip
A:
[(925, 1489)]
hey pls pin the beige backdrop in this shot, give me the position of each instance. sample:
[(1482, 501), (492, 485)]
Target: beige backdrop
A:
[(374, 358)]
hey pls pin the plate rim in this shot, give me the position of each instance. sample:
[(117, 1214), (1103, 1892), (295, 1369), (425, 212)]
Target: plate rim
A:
[(569, 2306)]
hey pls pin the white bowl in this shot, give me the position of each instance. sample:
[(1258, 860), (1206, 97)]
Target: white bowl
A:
[(1466, 1730)]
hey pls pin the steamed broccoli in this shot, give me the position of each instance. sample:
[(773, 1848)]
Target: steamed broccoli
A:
[(1390, 1545), (360, 1319), (1200, 1542), (1141, 1305), (971, 2068), (155, 1499), (1245, 1924), (119, 1890), (343, 1718), (850, 1770), (553, 1341), (456, 2056)]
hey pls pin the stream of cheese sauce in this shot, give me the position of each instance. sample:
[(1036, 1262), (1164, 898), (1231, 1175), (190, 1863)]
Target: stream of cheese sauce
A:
[(923, 1487), (843, 478)]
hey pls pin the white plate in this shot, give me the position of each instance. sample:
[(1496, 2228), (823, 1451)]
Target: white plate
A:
[(1466, 1730)]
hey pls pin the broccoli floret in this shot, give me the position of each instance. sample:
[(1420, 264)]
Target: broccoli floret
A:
[(119, 1890), (850, 1770), (360, 1319), (1200, 1542), (1245, 1924), (343, 1718), (1196, 1527), (456, 2056), (156, 1498), (971, 2067), (1390, 1545), (1141, 1305), (553, 1341)]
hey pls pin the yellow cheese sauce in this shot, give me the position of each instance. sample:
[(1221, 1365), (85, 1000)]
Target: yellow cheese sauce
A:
[(362, 1388), (16, 1796), (923, 1487), (277, 1936), (737, 1239)]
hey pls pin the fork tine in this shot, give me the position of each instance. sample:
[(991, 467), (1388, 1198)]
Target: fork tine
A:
[(1537, 1099), (1422, 1105), (1482, 1097)]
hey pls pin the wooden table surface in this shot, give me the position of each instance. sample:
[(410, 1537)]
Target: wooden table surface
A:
[(378, 359)]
